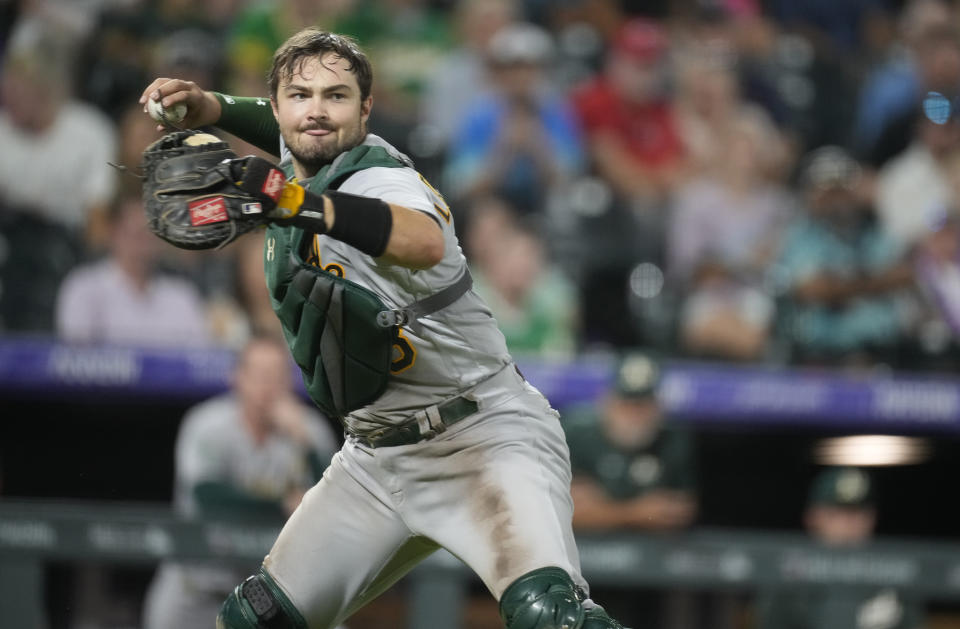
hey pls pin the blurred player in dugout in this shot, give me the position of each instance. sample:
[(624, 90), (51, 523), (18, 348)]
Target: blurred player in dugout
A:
[(633, 470), (249, 454), (840, 513)]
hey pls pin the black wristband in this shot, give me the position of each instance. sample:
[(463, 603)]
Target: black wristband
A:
[(361, 222)]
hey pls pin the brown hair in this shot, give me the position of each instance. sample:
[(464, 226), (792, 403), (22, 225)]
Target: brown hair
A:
[(314, 43)]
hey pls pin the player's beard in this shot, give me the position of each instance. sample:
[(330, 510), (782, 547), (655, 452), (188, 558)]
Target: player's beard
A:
[(315, 155)]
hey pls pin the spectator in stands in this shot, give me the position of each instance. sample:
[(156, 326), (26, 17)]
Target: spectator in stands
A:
[(916, 183), (190, 54), (628, 116), (732, 38), (249, 454), (892, 90), (636, 151), (734, 210), (406, 41), (840, 513), (723, 316), (725, 224), (633, 470), (840, 271), (121, 299), (522, 140), (260, 28), (487, 222), (532, 302), (55, 180), (708, 102), (461, 77)]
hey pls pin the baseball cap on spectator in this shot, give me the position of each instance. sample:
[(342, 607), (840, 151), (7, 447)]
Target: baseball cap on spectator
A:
[(637, 376), (187, 49), (520, 43), (641, 39), (830, 167), (842, 487)]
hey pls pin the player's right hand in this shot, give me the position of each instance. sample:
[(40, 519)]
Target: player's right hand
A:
[(203, 108)]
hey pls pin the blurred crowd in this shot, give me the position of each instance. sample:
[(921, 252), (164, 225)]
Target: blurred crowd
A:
[(732, 180)]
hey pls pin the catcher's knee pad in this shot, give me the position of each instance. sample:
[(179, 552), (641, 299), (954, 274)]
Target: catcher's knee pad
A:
[(259, 603), (596, 617), (546, 598)]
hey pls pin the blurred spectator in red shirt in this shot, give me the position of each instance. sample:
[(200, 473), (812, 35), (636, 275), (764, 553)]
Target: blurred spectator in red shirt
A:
[(627, 115)]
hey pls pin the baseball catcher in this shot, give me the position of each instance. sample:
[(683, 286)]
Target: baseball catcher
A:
[(446, 444)]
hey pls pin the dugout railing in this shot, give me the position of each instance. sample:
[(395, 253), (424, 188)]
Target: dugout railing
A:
[(35, 532), (40, 379)]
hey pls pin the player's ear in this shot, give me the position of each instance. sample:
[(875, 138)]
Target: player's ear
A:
[(273, 106), (365, 108)]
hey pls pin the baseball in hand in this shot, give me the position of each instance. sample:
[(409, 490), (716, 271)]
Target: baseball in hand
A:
[(165, 115)]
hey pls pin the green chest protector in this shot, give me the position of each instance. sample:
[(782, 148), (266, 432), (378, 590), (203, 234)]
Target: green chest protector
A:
[(341, 334)]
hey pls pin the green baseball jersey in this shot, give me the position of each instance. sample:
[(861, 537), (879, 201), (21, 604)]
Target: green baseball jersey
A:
[(665, 462)]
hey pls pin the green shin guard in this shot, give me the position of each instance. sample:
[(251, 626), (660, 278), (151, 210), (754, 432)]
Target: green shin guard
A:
[(259, 603), (545, 598)]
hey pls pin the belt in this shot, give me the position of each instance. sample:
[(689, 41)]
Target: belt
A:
[(426, 424)]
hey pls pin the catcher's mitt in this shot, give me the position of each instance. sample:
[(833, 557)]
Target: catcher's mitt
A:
[(191, 192)]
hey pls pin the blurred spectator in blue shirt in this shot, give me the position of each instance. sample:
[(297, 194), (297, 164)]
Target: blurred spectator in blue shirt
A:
[(522, 139), (461, 76), (894, 88)]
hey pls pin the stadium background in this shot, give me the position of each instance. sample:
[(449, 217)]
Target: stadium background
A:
[(93, 418)]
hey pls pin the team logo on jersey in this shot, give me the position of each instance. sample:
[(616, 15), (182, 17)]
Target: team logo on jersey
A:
[(271, 245), (273, 185), (404, 354), (206, 211), (251, 208)]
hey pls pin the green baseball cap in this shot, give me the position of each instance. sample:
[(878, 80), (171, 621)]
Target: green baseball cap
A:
[(842, 487), (637, 375)]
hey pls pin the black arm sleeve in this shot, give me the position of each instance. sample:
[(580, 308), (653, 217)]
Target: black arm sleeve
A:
[(250, 121)]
